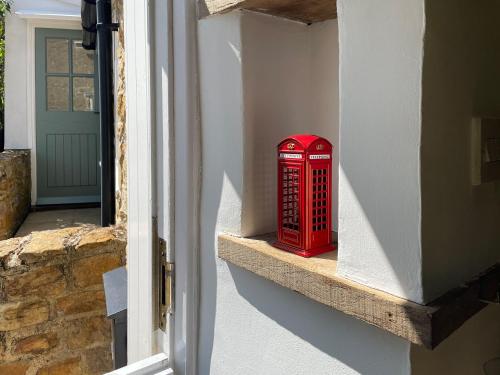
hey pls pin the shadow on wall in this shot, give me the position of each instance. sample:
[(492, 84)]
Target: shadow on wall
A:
[(304, 318), (460, 79), (241, 311), (466, 351), (462, 72), (249, 325)]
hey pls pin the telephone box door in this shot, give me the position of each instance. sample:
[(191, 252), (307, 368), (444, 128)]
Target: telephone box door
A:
[(319, 204), (291, 197)]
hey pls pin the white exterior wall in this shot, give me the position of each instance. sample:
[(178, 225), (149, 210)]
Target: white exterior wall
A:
[(249, 325), (16, 84), (460, 229), (49, 13), (290, 73), (381, 54)]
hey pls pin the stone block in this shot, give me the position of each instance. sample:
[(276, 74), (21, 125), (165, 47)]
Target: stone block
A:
[(46, 244), (41, 282), (98, 360), (22, 314), (89, 271), (15, 190), (36, 344), (88, 333), (100, 240), (79, 303), (8, 247), (17, 368), (68, 367)]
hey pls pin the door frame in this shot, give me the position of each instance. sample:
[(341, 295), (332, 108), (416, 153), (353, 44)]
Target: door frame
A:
[(158, 109), (32, 24)]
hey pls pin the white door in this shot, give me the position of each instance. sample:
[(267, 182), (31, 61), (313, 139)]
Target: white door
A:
[(163, 194)]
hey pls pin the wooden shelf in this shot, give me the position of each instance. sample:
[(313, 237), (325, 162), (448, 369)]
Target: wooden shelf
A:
[(309, 11), (316, 278)]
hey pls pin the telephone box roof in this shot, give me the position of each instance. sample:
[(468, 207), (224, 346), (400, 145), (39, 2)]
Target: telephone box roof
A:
[(305, 140)]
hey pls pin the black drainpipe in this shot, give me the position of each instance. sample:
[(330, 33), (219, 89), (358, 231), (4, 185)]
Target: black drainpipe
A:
[(106, 107)]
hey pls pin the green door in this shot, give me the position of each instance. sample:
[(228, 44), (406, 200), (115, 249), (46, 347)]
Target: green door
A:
[(67, 122)]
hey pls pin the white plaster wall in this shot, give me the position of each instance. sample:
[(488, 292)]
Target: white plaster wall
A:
[(466, 351), (249, 325), (290, 75), (324, 49), (460, 228), (16, 41), (381, 53), (16, 110), (17, 133)]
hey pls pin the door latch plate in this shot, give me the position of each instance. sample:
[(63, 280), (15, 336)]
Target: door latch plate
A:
[(166, 295)]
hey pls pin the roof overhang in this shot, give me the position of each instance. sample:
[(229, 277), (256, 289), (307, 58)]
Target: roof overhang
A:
[(36, 14)]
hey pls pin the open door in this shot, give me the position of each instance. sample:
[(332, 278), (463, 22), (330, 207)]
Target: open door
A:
[(163, 194)]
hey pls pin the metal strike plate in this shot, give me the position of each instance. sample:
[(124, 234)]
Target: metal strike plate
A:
[(166, 294)]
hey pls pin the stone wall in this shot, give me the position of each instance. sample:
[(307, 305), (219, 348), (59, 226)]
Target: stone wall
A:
[(15, 190), (52, 305), (120, 123)]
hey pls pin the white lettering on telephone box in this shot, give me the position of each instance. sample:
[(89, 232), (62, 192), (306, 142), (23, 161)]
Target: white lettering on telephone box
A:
[(319, 157), (290, 156)]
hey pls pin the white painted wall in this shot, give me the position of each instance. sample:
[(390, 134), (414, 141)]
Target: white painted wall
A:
[(290, 74), (16, 83), (460, 228), (249, 325), (52, 12), (381, 53)]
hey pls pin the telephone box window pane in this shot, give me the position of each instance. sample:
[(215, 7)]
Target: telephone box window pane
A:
[(320, 186), (83, 60), (57, 56), (83, 94), (290, 214), (57, 94)]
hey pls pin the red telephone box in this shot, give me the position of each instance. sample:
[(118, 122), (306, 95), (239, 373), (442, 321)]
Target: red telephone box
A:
[(305, 195)]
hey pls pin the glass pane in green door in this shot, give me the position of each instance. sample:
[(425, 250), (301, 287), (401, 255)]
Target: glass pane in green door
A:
[(83, 94), (57, 55), (57, 93), (83, 60)]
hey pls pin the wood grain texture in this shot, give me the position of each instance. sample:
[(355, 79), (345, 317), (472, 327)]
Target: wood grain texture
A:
[(309, 11), (316, 278)]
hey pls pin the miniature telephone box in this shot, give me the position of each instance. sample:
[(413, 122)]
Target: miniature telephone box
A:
[(305, 195)]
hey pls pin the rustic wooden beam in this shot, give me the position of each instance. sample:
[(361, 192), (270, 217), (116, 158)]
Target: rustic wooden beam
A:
[(309, 11), (316, 278)]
